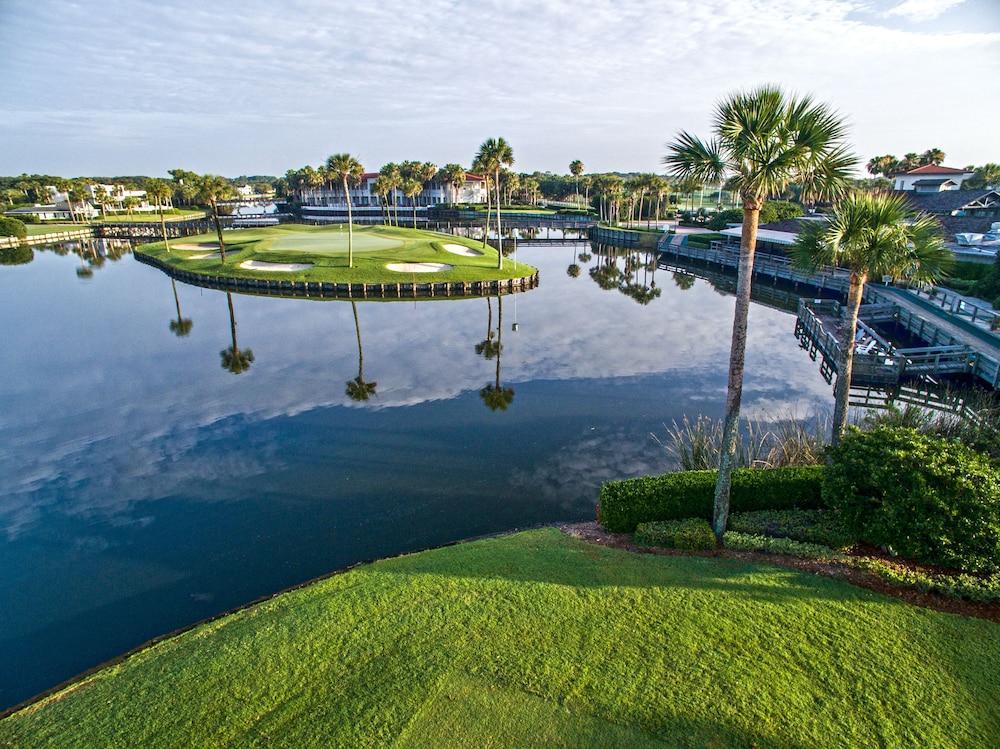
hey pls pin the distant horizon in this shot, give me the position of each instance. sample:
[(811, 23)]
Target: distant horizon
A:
[(254, 89)]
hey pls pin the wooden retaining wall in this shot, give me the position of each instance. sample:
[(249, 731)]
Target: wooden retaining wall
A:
[(624, 237), (325, 290), (56, 236)]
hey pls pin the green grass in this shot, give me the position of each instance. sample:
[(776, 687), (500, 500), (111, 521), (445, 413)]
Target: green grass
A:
[(35, 229), (326, 248), (177, 214), (538, 639)]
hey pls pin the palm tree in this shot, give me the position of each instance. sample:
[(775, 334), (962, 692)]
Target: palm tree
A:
[(412, 187), (211, 189), (348, 170), (576, 169), (233, 359), (480, 167), (910, 161), (494, 154), (763, 141), (454, 176), (101, 197), (182, 325), (159, 190), (359, 389), (383, 186), (130, 204), (872, 235), (393, 178), (932, 156), (495, 396)]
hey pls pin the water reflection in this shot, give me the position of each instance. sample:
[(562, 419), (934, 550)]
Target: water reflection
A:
[(182, 325), (495, 396), (233, 359), (359, 389)]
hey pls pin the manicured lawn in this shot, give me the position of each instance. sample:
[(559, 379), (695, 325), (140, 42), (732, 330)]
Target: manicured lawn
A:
[(325, 247), (35, 229), (538, 639), (177, 214)]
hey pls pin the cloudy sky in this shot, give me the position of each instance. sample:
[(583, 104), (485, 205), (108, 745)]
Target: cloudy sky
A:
[(127, 87)]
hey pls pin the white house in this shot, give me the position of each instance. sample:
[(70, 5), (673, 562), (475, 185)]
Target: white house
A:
[(328, 203), (931, 178), (118, 194)]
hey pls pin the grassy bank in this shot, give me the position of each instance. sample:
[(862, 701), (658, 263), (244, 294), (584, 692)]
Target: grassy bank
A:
[(538, 639), (325, 248)]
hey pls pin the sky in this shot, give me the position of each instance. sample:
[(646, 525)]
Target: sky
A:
[(135, 87)]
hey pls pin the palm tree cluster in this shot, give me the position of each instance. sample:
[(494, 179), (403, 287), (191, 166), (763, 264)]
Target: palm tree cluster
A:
[(889, 165), (494, 154), (632, 199)]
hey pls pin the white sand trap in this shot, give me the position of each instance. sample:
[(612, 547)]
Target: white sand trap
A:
[(458, 249), (284, 267), (418, 267)]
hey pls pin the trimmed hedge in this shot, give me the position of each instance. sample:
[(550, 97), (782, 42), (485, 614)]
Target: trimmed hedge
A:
[(691, 534), (811, 526), (684, 494), (11, 227)]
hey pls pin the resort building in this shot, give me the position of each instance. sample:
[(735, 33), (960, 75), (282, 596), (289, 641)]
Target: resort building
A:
[(328, 204), (116, 196), (931, 178)]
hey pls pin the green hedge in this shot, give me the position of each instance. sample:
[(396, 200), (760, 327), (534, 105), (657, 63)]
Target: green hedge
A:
[(11, 227), (672, 496), (691, 534)]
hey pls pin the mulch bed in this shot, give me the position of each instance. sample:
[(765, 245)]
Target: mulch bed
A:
[(595, 534)]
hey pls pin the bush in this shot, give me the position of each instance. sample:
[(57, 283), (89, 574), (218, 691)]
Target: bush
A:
[(11, 227), (683, 494), (778, 210), (924, 498), (722, 219), (692, 534), (812, 526), (768, 545)]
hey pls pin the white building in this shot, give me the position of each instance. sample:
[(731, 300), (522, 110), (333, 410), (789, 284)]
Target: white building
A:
[(931, 178), (328, 203), (118, 194)]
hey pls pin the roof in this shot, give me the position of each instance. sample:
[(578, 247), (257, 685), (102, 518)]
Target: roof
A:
[(961, 224), (936, 169), (934, 182), (947, 201), (765, 235)]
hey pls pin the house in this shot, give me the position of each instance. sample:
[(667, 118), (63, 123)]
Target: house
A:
[(328, 203), (931, 178), (116, 195)]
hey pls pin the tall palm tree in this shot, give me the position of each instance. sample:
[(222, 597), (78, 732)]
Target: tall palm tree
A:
[(348, 170), (233, 359), (383, 186), (359, 389), (910, 161), (159, 191), (495, 396), (101, 197), (182, 325), (587, 182), (576, 169), (411, 188), (763, 141), (393, 178), (872, 235), (480, 167), (211, 189), (495, 154), (454, 176)]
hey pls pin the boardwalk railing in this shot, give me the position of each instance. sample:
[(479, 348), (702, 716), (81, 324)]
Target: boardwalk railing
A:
[(958, 305), (56, 236)]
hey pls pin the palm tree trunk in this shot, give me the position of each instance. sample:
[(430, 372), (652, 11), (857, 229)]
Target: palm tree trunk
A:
[(489, 200), (499, 336), (499, 230), (737, 359), (842, 390), (163, 228), (357, 331), (413, 200), (232, 323), (222, 245), (350, 226), (177, 300)]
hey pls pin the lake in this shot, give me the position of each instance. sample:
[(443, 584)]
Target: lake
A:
[(144, 487)]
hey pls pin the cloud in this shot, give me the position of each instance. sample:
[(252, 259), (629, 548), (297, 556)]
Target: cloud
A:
[(923, 10)]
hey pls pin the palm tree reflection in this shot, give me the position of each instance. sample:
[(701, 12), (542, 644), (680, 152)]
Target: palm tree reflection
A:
[(233, 359), (358, 389), (182, 325), (495, 396)]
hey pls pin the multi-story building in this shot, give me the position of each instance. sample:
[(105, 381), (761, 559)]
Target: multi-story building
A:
[(329, 204)]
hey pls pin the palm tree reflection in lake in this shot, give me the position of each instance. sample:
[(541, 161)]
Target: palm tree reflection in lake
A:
[(359, 389), (495, 396), (233, 359), (182, 325)]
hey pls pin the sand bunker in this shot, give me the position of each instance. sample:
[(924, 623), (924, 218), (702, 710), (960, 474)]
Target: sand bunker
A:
[(284, 267), (418, 267), (458, 249)]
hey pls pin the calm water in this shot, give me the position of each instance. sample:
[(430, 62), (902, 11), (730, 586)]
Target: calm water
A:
[(144, 487)]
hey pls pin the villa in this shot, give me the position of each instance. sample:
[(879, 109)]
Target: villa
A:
[(327, 203), (931, 178)]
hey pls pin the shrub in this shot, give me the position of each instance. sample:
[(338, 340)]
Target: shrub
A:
[(722, 219), (812, 526), (692, 534), (672, 496), (11, 227), (778, 210), (925, 498), (768, 545)]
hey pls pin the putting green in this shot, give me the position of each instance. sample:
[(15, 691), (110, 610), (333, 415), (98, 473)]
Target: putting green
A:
[(297, 252)]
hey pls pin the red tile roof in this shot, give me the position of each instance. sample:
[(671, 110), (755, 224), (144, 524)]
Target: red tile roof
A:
[(934, 169)]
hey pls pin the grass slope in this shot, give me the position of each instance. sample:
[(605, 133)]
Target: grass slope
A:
[(326, 248), (538, 639)]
